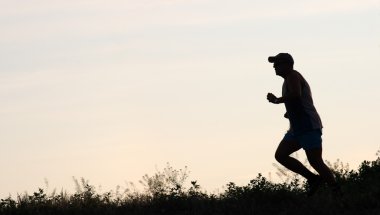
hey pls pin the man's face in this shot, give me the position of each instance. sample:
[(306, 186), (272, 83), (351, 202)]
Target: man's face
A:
[(280, 67)]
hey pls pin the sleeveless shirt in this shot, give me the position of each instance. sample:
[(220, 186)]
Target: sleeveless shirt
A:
[(302, 114)]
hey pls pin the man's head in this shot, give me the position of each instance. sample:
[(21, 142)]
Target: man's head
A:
[(282, 63)]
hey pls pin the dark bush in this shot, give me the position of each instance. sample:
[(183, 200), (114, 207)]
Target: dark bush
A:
[(166, 193)]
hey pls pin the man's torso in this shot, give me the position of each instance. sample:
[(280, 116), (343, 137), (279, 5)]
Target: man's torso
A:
[(303, 116)]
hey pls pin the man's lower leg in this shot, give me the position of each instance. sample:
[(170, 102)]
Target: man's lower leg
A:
[(297, 167), (327, 175), (324, 171)]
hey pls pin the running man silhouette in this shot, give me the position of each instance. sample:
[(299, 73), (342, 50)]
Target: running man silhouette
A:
[(305, 126)]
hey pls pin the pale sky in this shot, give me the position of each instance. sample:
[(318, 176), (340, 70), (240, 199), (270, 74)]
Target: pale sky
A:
[(112, 90)]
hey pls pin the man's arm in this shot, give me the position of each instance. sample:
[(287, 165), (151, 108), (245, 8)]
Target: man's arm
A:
[(293, 82)]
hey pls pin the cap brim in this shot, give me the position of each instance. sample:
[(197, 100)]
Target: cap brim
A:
[(271, 59)]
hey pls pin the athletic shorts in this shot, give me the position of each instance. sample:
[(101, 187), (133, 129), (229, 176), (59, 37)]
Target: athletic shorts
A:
[(307, 140)]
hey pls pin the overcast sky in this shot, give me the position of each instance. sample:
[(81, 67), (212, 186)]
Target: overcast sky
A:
[(112, 90)]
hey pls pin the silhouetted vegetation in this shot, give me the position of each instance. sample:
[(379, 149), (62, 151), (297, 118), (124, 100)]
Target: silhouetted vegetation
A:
[(165, 193)]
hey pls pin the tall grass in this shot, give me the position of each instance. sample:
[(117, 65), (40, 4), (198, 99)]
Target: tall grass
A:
[(165, 192)]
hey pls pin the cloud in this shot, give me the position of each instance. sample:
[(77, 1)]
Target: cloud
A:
[(45, 19), (227, 12)]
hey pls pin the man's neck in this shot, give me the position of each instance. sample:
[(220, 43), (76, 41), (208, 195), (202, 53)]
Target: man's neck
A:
[(286, 73)]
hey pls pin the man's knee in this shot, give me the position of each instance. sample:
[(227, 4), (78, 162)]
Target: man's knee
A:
[(280, 157), (285, 149)]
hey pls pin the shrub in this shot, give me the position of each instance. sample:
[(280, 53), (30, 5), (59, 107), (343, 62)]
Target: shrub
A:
[(165, 192)]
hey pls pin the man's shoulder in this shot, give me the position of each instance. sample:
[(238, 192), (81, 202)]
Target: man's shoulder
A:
[(294, 76), (295, 73)]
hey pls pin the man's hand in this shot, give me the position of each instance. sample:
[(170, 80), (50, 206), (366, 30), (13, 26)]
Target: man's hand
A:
[(272, 98)]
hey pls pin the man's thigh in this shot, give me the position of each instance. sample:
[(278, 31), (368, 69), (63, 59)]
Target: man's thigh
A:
[(310, 140), (287, 146)]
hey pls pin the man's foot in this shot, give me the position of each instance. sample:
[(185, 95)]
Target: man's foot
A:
[(313, 185)]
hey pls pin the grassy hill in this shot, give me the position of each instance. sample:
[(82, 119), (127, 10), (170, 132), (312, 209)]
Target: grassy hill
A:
[(165, 193)]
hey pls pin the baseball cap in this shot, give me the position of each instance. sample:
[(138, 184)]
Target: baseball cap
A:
[(281, 57)]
